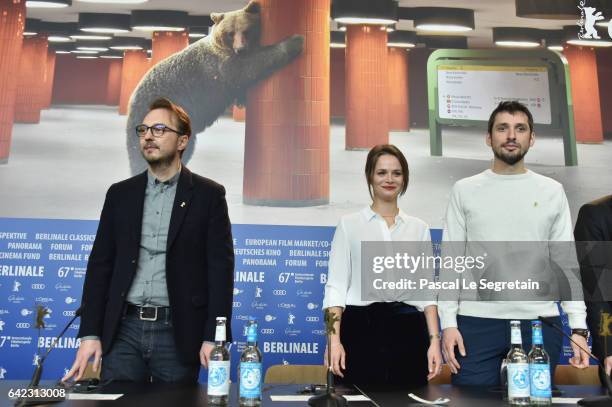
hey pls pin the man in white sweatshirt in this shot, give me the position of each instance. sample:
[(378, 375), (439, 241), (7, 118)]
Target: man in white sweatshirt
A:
[(506, 203)]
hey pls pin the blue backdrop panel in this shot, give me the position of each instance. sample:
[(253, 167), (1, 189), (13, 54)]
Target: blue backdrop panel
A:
[(279, 277)]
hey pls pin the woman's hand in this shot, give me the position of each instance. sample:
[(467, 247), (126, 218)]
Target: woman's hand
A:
[(337, 358), (434, 358)]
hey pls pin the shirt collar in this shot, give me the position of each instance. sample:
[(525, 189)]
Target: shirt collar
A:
[(369, 214), (154, 181)]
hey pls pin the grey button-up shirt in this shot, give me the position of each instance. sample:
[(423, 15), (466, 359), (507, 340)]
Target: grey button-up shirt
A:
[(149, 285)]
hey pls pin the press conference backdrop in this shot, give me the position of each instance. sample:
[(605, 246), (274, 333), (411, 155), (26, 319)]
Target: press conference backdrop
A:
[(279, 278)]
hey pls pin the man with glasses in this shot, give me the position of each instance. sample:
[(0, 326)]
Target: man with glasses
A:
[(161, 267)]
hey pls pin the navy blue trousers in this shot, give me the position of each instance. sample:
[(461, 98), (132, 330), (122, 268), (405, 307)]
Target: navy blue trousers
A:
[(145, 351), (487, 342)]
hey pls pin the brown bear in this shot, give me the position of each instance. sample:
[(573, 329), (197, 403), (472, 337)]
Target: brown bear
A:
[(209, 75)]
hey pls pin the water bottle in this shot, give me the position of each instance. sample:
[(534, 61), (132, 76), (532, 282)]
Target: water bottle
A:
[(219, 368), (250, 373), (539, 369), (517, 368)]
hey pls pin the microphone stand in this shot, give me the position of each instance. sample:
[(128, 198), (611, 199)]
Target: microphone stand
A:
[(34, 382), (594, 401)]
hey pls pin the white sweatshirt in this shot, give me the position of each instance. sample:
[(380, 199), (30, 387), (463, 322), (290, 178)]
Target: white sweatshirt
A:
[(522, 207)]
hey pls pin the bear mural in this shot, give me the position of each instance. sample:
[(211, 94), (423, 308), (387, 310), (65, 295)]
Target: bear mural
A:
[(209, 75)]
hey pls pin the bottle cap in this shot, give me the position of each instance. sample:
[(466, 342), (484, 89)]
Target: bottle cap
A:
[(221, 319)]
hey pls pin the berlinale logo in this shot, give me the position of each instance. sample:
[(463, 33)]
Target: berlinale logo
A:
[(588, 17)]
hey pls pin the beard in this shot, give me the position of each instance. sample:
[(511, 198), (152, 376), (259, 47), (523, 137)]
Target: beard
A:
[(160, 160), (510, 158)]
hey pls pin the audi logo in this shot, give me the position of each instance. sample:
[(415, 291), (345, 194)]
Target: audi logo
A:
[(312, 319), (236, 304), (68, 313), (279, 292), (267, 331), (22, 325), (38, 286)]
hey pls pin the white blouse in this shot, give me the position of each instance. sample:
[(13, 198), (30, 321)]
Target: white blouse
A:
[(344, 274)]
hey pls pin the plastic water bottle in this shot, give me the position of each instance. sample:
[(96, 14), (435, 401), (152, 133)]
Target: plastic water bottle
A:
[(250, 373), (539, 369), (517, 368), (219, 368)]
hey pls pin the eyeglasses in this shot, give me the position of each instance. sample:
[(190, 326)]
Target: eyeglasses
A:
[(158, 130)]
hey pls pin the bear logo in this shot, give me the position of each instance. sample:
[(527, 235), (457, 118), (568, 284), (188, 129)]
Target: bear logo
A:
[(589, 24), (209, 75)]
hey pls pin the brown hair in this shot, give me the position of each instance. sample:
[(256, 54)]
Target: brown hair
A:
[(182, 118), (512, 107), (374, 155)]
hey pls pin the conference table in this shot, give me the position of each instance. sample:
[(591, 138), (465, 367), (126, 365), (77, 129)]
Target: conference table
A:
[(175, 395)]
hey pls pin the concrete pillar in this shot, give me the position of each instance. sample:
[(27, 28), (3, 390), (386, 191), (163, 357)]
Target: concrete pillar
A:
[(238, 113), (367, 122), (337, 83), (604, 74), (585, 93), (12, 23), (31, 86), (399, 108), (113, 84), (166, 43), (49, 77), (287, 117), (135, 65)]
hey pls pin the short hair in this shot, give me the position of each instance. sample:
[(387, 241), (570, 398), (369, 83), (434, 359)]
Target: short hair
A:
[(510, 106), (184, 122), (385, 149)]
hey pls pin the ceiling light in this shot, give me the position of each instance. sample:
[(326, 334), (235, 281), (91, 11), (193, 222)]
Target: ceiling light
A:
[(114, 1), (402, 39), (93, 37), (554, 39), (112, 55), (58, 38), (337, 39), (128, 43), (48, 3), (443, 19), (520, 37), (87, 57), (82, 51), (105, 23), (32, 26), (571, 37), (159, 20), (381, 12), (199, 26)]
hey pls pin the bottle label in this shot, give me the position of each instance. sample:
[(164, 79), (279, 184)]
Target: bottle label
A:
[(540, 380), (536, 337), (250, 379), (518, 380), (218, 377), (252, 333), (515, 336), (220, 333)]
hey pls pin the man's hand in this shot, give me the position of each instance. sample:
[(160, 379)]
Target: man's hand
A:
[(580, 358), (338, 357), (205, 350), (608, 364), (88, 348), (451, 337), (434, 359)]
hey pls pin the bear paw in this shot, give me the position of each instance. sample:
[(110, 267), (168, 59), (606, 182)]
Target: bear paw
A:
[(294, 45)]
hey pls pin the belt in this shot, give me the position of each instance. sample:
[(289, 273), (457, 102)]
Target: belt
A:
[(148, 313)]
